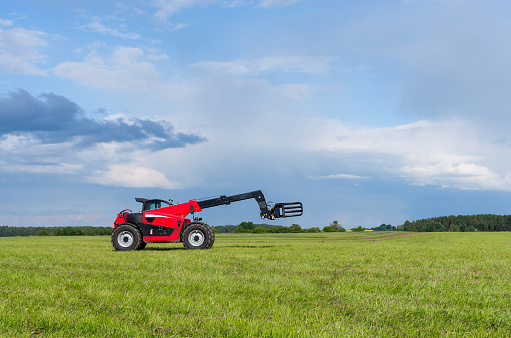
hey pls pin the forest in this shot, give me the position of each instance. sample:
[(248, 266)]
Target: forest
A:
[(486, 222), (10, 231)]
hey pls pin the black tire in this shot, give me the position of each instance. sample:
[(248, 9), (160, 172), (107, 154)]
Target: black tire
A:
[(126, 237), (142, 246), (198, 236)]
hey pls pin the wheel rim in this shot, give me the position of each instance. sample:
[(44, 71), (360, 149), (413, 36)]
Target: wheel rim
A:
[(196, 238), (125, 239)]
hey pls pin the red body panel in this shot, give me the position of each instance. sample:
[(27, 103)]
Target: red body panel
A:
[(118, 220), (157, 218), (179, 210), (159, 239)]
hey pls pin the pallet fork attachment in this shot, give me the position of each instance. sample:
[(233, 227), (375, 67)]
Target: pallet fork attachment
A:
[(291, 209)]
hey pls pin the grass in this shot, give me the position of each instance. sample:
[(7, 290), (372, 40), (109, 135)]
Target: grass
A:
[(268, 285)]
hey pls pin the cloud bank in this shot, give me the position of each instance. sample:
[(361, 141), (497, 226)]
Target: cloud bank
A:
[(19, 50), (168, 8), (52, 134), (55, 119)]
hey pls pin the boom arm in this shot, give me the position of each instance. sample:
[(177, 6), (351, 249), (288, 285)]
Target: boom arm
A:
[(277, 210)]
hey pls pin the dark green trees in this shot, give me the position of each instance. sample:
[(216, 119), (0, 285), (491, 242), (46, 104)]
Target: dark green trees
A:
[(334, 227), (487, 222)]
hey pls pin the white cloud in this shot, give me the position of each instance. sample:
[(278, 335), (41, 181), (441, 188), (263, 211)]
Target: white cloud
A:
[(277, 3), (269, 66), (12, 142), (5, 23), (295, 91), (181, 25), (97, 26), (449, 154), (461, 174), (293, 64), (23, 153), (123, 8), (19, 51), (167, 8), (127, 69), (340, 176), (50, 168), (132, 175), (133, 70)]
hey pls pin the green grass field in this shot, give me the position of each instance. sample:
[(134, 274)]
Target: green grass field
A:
[(281, 285)]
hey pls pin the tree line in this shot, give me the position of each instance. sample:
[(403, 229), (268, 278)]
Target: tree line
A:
[(10, 231), (249, 227), (486, 222)]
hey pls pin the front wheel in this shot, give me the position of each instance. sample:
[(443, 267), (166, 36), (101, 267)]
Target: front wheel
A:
[(198, 236), (126, 237)]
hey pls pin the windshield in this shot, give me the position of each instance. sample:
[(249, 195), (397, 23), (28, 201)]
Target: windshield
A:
[(156, 204)]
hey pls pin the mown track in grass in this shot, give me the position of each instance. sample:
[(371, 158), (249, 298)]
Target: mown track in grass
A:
[(283, 285), (311, 238)]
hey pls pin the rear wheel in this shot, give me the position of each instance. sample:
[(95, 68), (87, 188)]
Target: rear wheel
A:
[(198, 236), (126, 237)]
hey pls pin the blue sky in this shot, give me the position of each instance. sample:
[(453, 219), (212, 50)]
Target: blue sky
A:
[(368, 112)]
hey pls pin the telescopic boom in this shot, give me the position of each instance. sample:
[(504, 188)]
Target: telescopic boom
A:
[(277, 210)]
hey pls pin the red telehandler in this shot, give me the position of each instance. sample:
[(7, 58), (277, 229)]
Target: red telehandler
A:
[(162, 222)]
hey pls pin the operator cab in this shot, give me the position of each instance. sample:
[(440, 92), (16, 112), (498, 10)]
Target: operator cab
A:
[(152, 204)]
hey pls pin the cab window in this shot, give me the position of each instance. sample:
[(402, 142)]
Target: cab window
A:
[(151, 205)]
